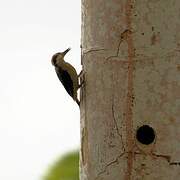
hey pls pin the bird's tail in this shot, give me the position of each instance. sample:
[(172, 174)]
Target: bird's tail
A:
[(77, 101), (75, 98)]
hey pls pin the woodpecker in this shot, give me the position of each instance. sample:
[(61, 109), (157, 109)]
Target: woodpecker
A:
[(66, 74)]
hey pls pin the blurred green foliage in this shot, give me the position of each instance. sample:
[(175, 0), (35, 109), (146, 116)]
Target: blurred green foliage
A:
[(67, 168)]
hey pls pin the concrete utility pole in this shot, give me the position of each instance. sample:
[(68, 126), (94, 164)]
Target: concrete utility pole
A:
[(130, 110)]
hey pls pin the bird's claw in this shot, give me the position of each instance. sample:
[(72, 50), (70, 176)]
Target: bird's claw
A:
[(81, 78)]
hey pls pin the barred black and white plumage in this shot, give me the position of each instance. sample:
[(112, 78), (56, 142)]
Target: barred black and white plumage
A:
[(66, 74)]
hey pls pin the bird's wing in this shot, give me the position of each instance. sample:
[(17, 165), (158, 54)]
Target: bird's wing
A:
[(67, 82)]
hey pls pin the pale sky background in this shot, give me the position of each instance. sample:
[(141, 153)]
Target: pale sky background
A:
[(38, 120)]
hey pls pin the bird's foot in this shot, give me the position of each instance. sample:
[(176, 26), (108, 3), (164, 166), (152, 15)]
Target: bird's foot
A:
[(78, 102), (80, 74), (81, 78)]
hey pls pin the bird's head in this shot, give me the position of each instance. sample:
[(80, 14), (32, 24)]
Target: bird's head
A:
[(59, 57)]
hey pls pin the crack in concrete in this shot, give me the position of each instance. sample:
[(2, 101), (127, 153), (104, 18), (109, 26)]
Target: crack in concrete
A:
[(166, 157), (108, 165), (116, 126), (87, 51), (124, 36), (175, 163), (113, 113), (115, 161)]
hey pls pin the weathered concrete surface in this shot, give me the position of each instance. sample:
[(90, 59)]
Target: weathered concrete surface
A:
[(131, 60)]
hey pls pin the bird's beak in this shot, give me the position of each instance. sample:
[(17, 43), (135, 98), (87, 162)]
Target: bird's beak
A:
[(65, 52)]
